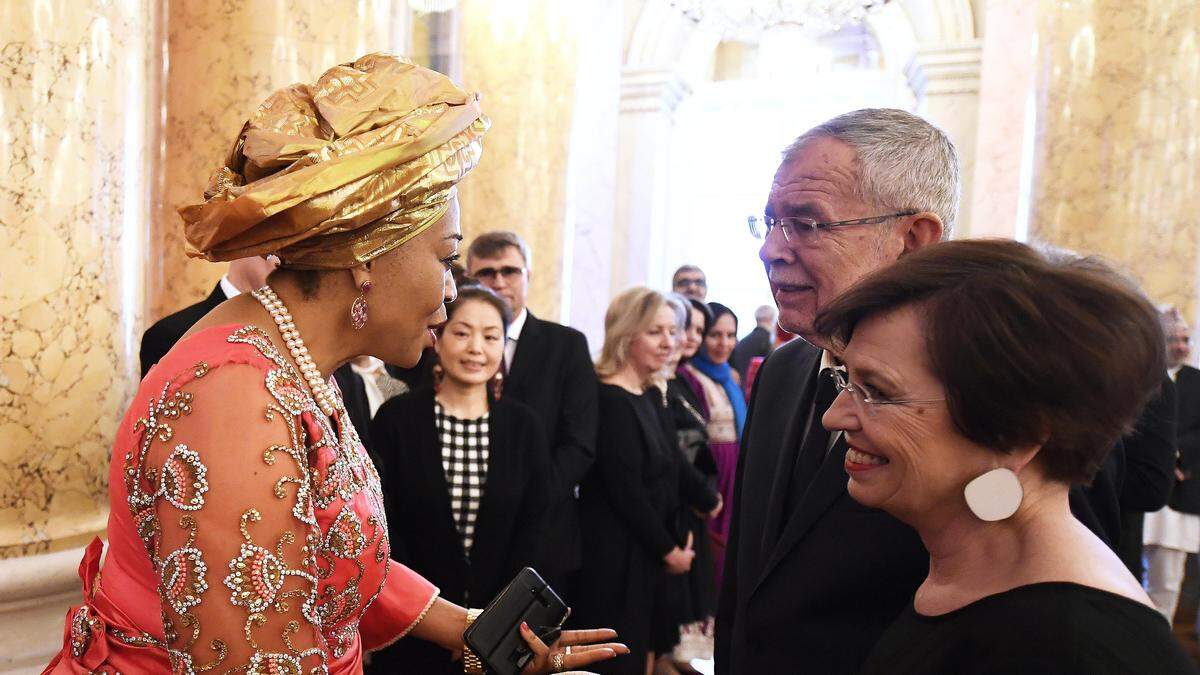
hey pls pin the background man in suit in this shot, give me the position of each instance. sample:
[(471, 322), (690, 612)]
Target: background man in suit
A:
[(245, 274), (547, 367), (757, 343), (690, 282), (1185, 498), (1173, 533), (812, 578)]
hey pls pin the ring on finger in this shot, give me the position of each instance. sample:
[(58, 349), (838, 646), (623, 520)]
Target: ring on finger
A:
[(556, 660), (568, 650)]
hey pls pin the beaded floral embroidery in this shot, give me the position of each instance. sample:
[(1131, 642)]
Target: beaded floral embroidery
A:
[(325, 491)]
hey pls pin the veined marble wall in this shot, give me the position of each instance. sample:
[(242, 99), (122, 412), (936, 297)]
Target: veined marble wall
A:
[(77, 78), (1117, 163), (225, 58), (522, 56)]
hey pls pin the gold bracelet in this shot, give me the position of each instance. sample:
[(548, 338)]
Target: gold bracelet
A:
[(471, 663)]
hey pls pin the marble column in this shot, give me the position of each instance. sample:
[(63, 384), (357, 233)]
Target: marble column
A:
[(1116, 169), (78, 79), (649, 98), (1004, 141), (945, 80), (592, 176), (223, 59)]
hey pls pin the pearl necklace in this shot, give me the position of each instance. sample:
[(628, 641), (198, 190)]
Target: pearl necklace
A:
[(326, 400)]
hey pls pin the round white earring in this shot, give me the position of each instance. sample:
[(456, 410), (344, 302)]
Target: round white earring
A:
[(995, 495)]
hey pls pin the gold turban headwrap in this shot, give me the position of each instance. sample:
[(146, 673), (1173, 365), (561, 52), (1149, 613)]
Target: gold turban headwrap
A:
[(333, 175)]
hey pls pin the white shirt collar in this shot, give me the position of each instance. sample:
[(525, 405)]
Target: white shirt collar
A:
[(228, 288), (517, 325), (828, 362), (376, 364), (1173, 373)]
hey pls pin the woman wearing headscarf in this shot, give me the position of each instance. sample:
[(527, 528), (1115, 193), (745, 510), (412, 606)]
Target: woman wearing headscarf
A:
[(715, 384), (247, 530)]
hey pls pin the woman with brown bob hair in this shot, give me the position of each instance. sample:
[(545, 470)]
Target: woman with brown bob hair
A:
[(981, 380)]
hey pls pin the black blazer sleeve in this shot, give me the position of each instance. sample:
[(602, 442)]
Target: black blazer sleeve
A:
[(529, 440), (384, 431), (621, 445), (574, 441), (693, 487), (1150, 453)]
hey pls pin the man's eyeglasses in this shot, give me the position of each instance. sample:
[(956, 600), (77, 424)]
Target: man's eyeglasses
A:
[(795, 228), (688, 283), (868, 402), (490, 273)]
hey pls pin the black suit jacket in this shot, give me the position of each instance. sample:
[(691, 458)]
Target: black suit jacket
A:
[(162, 336), (421, 527), (1150, 454), (552, 373), (1186, 496), (159, 338), (817, 597), (757, 343), (354, 395)]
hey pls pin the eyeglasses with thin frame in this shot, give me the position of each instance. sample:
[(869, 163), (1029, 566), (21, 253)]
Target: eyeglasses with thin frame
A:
[(688, 283), (868, 402), (796, 227), (490, 273)]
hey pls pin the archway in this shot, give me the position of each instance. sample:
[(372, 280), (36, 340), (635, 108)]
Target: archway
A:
[(930, 47)]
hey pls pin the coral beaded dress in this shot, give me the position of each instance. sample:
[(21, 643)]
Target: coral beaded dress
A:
[(246, 532)]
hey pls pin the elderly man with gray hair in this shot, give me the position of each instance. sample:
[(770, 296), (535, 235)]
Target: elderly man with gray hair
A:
[(812, 578)]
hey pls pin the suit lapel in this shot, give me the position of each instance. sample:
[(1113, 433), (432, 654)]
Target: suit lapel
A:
[(499, 471), (827, 486), (528, 347), (432, 475), (785, 461)]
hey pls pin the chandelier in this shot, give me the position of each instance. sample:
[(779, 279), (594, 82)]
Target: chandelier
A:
[(748, 19), (427, 6)]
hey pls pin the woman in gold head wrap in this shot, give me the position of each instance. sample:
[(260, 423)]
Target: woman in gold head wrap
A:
[(247, 531)]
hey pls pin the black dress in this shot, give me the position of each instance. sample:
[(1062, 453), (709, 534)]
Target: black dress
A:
[(695, 598), (628, 505), (1054, 627)]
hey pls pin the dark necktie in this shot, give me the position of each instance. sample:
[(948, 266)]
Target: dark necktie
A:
[(815, 445)]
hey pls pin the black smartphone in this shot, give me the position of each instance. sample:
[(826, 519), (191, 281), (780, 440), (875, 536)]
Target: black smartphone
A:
[(495, 636)]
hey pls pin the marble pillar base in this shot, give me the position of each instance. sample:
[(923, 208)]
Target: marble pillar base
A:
[(35, 593)]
